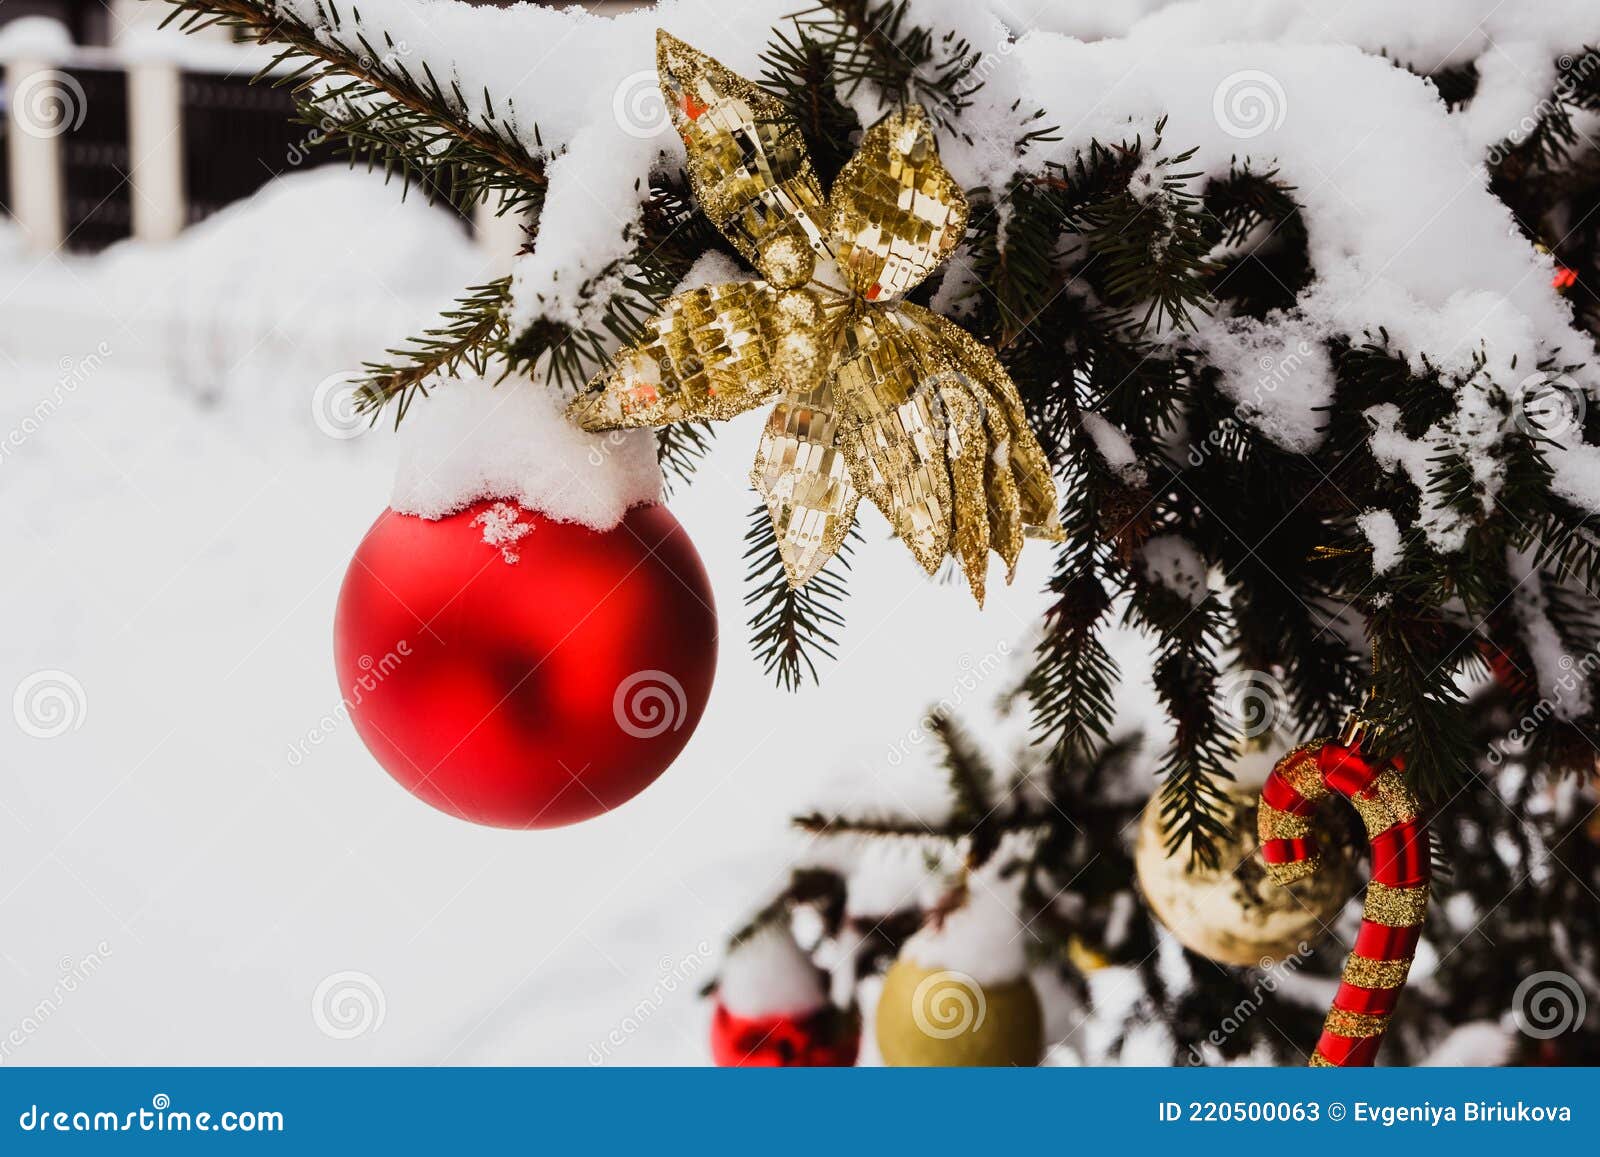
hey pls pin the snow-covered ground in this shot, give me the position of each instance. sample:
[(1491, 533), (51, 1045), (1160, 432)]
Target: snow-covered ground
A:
[(175, 885)]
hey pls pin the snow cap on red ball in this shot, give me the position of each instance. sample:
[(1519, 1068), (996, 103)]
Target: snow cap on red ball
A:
[(766, 974), (511, 441), (982, 938)]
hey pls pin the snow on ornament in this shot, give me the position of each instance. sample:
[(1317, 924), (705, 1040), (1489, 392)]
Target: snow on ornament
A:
[(773, 1009), (959, 994)]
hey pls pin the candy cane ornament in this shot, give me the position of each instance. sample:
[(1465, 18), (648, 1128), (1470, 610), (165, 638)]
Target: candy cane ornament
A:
[(1397, 895)]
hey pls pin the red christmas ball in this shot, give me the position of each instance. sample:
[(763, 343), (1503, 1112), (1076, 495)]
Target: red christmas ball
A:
[(827, 1037), (520, 672)]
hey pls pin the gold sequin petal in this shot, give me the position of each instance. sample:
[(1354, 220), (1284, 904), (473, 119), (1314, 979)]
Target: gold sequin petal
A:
[(984, 492), (897, 211), (1030, 468), (711, 353), (805, 482), (1001, 493), (748, 164), (894, 433), (968, 447), (1020, 450)]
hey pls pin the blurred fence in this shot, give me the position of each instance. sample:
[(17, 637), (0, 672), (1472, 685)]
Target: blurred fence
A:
[(95, 162), (97, 148)]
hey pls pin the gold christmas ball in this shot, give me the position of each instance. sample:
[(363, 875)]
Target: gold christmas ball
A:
[(933, 1017), (1233, 913)]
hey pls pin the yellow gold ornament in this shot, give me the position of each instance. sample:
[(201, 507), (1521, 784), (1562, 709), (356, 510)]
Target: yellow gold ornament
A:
[(933, 1017), (1235, 913), (872, 395)]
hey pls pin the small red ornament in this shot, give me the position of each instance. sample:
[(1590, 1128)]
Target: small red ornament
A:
[(828, 1037), (520, 672)]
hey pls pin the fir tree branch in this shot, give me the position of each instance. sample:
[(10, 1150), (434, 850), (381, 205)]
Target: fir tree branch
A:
[(1073, 676), (799, 70), (820, 887), (790, 628), (1194, 808), (680, 448), (1418, 706), (1555, 135), (971, 779), (1256, 217), (874, 42), (817, 824), (671, 235), (468, 335), (1151, 245)]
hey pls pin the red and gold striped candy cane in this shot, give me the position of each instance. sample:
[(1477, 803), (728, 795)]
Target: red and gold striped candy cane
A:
[(1397, 895)]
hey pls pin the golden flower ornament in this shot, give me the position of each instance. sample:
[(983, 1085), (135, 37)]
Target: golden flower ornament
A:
[(874, 395)]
